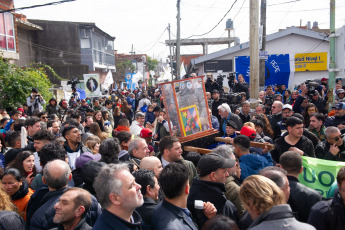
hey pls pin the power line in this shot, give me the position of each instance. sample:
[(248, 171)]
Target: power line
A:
[(35, 6), (143, 51), (284, 3), (216, 24)]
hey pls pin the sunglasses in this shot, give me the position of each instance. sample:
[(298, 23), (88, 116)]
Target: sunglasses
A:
[(45, 117), (337, 138)]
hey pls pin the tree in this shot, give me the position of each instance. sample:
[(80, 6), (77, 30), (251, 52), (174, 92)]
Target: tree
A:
[(16, 83), (151, 63), (123, 66)]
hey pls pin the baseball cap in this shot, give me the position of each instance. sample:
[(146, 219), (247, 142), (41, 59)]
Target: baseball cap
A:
[(232, 124), (64, 102), (215, 91), (340, 105), (145, 133), (83, 100), (324, 79), (340, 91), (248, 131), (34, 90), (287, 106), (211, 162)]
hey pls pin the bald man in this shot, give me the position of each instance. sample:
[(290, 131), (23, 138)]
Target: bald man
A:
[(152, 163)]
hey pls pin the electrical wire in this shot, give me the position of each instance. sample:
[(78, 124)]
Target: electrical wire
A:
[(144, 51), (216, 24), (35, 6)]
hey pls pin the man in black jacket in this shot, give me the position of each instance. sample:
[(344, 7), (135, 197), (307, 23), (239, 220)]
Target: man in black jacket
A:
[(333, 148), (331, 214), (57, 174), (211, 186), (217, 101), (119, 195), (294, 141), (172, 213), (301, 197), (150, 189)]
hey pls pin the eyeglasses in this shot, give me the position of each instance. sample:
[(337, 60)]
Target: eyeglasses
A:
[(337, 138), (45, 117)]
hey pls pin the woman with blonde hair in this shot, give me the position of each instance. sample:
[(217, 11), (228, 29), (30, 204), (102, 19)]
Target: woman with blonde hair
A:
[(266, 204)]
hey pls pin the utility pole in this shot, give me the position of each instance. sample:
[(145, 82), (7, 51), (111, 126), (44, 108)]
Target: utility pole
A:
[(254, 48), (178, 41), (263, 43), (171, 57), (331, 80)]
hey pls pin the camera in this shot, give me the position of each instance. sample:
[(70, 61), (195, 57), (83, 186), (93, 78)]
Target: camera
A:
[(231, 79), (73, 82), (312, 86), (269, 100), (220, 79)]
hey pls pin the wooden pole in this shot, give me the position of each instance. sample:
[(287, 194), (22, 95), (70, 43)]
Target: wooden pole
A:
[(254, 48)]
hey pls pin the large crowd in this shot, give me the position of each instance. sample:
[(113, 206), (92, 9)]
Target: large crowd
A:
[(111, 162)]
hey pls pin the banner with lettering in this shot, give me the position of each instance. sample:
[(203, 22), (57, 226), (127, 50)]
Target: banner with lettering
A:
[(277, 69), (310, 61), (319, 174)]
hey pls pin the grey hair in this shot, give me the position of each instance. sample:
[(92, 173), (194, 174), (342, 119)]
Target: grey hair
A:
[(106, 183), (224, 108), (279, 103), (225, 151), (133, 144), (331, 130), (52, 180), (139, 114)]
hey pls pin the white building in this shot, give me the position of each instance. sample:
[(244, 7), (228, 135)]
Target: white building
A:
[(309, 47)]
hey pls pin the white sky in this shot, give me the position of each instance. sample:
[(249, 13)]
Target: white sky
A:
[(142, 22)]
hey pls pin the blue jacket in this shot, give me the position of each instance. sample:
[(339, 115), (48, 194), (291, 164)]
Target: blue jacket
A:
[(107, 221), (150, 117), (251, 164), (131, 101)]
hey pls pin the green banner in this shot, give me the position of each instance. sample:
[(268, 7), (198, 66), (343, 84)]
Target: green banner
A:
[(319, 174)]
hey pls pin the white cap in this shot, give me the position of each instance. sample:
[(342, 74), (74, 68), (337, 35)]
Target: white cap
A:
[(287, 106)]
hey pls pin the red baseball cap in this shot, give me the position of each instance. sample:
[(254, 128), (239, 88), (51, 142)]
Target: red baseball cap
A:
[(248, 131), (145, 133)]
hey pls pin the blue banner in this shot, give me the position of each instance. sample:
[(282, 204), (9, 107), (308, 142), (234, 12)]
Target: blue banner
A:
[(82, 93), (277, 69), (128, 78)]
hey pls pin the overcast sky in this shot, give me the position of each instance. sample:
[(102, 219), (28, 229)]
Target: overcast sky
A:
[(143, 23)]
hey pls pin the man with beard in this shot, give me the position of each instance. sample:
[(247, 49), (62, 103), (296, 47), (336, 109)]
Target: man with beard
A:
[(216, 103), (71, 209), (119, 196), (41, 138), (73, 146), (316, 125), (338, 120)]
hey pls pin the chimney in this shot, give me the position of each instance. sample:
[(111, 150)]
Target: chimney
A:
[(315, 26)]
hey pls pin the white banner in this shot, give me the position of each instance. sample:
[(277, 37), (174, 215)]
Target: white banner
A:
[(92, 86)]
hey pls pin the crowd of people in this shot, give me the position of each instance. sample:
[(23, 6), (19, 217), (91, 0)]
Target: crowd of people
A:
[(112, 163)]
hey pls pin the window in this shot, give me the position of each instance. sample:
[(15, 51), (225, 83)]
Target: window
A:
[(7, 35)]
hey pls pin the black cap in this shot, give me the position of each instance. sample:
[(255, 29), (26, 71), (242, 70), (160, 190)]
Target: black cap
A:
[(211, 162), (215, 91), (34, 90), (232, 124)]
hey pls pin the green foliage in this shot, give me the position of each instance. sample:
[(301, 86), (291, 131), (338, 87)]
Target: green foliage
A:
[(151, 63), (122, 66), (16, 83)]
